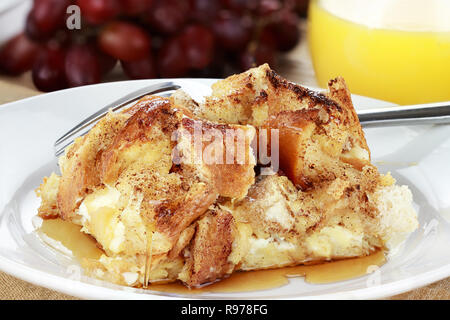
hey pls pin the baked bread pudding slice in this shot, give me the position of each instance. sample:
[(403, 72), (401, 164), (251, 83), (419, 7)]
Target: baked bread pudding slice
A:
[(176, 190)]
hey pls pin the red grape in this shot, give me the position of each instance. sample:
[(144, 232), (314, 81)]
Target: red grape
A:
[(203, 10), (32, 30), (135, 7), (215, 69), (267, 7), (190, 37), (125, 41), (198, 44), (140, 69), (230, 68), (232, 31), (168, 16), (107, 63), (247, 60), (18, 55), (48, 71), (172, 61), (260, 55), (241, 5), (49, 15), (82, 66), (268, 37), (208, 72), (286, 30), (99, 11)]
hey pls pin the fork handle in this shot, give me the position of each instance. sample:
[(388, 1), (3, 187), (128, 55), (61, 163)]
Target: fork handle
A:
[(432, 113)]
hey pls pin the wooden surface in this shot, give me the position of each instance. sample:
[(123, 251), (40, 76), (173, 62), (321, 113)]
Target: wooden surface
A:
[(296, 66)]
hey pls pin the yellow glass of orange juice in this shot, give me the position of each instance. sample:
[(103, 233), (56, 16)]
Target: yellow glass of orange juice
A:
[(394, 50)]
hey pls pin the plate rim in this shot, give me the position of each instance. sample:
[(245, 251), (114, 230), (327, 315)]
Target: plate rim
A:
[(81, 289)]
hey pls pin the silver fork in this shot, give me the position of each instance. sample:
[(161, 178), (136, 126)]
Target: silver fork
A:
[(430, 113), (84, 126), (433, 113)]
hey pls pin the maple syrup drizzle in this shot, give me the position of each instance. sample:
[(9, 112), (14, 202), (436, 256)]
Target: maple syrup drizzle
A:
[(326, 272), (84, 246), (70, 236), (148, 258)]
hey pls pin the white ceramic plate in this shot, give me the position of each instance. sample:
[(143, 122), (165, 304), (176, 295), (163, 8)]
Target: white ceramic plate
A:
[(416, 156)]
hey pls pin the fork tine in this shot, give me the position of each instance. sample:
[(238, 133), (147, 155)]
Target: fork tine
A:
[(59, 150), (70, 136)]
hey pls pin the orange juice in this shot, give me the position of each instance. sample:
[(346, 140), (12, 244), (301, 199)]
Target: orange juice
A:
[(392, 50)]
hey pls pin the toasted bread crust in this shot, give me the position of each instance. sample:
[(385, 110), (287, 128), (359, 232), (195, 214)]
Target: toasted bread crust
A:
[(79, 174), (172, 217), (338, 91), (211, 248), (230, 170), (153, 120)]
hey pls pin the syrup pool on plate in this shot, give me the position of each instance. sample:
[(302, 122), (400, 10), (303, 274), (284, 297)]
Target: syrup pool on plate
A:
[(84, 246), (393, 50)]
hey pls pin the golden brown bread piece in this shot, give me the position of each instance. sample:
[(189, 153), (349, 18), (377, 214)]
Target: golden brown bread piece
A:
[(145, 139), (127, 186), (174, 180), (143, 148), (252, 96), (226, 158), (48, 192), (173, 216), (261, 98), (78, 166), (213, 243)]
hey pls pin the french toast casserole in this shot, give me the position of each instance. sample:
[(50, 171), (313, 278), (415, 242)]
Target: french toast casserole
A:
[(262, 174)]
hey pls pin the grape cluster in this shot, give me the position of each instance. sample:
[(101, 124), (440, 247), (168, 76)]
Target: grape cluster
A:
[(150, 38)]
